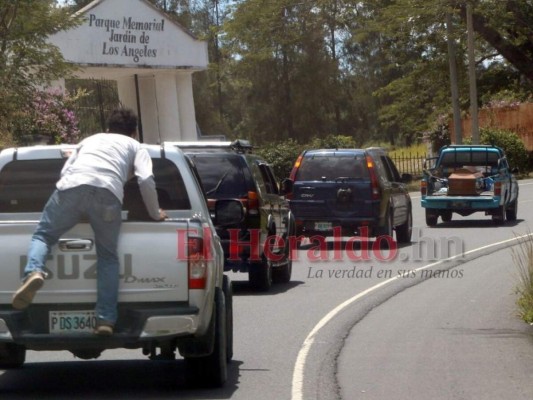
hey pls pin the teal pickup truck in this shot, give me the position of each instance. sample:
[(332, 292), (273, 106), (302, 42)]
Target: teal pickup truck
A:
[(465, 179)]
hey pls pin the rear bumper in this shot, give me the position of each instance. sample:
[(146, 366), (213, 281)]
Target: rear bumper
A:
[(477, 203), (136, 324), (350, 217)]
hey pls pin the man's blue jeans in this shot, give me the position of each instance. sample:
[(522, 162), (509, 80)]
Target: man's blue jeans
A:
[(65, 209)]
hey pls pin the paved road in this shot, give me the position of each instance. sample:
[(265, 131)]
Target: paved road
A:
[(293, 342), (444, 339)]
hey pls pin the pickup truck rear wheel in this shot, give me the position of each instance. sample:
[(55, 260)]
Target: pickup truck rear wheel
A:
[(431, 217), (12, 356), (511, 212), (212, 370), (499, 217), (446, 215)]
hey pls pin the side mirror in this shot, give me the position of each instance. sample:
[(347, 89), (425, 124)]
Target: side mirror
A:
[(228, 212), (286, 186)]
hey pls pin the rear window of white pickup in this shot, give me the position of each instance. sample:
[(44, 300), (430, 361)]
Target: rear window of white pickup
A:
[(26, 185)]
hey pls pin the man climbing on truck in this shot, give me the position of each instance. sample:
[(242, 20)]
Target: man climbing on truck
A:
[(92, 187)]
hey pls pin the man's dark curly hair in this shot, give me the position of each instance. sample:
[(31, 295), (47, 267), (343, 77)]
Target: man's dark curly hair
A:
[(123, 121)]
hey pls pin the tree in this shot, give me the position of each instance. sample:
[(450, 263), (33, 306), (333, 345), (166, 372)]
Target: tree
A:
[(27, 60), (410, 44), (282, 68), (506, 26), (372, 70)]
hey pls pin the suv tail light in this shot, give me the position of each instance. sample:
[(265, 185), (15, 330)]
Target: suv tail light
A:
[(197, 263), (376, 191), (251, 203), (295, 167)]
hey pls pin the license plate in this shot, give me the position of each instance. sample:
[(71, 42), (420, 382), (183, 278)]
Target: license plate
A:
[(72, 321), (460, 204), (323, 226)]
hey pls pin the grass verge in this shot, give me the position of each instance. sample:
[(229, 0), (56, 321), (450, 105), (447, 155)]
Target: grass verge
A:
[(523, 259)]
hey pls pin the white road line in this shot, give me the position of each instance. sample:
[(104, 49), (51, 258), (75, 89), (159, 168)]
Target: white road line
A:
[(298, 373)]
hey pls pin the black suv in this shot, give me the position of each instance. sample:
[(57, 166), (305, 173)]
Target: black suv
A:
[(350, 189), (259, 245)]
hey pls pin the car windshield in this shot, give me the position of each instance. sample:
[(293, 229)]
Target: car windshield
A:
[(221, 174), (330, 167)]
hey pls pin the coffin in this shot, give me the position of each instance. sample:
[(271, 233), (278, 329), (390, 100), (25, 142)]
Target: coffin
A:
[(465, 182)]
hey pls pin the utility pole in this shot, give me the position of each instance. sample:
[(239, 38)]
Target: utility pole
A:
[(472, 75), (453, 81)]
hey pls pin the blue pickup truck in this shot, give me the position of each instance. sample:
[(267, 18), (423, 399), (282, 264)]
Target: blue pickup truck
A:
[(465, 179)]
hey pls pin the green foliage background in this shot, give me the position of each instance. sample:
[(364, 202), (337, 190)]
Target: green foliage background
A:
[(374, 71), (515, 150), (27, 60)]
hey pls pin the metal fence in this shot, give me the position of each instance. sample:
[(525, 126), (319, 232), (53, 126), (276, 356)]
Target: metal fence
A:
[(409, 163), (93, 109)]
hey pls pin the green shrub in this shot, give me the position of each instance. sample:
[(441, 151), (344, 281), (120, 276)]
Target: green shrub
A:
[(333, 142), (510, 142), (281, 156)]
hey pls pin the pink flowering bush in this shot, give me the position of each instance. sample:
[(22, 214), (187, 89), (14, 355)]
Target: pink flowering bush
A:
[(49, 117)]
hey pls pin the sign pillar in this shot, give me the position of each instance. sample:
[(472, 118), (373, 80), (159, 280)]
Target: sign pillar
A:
[(168, 108)]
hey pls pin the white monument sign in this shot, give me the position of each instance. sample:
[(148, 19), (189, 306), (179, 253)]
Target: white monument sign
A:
[(151, 57)]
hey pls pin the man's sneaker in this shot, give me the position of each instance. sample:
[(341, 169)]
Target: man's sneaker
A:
[(24, 296), (103, 329)]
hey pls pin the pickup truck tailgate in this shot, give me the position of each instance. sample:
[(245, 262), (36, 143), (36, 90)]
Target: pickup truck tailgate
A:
[(149, 274)]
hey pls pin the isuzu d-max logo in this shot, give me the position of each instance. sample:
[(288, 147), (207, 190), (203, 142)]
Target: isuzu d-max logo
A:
[(73, 267)]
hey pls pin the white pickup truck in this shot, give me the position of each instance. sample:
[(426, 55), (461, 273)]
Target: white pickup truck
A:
[(173, 293)]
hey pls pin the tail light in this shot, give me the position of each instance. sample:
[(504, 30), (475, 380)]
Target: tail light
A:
[(197, 263), (211, 205), (497, 188), (295, 167), (423, 188), (376, 191), (251, 203)]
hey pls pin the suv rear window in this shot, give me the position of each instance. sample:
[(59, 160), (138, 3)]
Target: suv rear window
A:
[(222, 175), (330, 167)]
